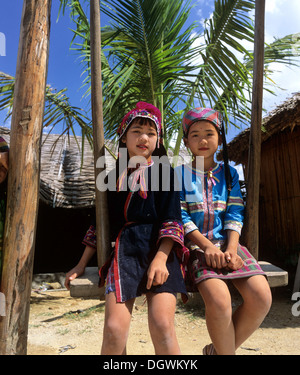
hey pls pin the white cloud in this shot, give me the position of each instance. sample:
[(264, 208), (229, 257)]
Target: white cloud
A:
[(273, 6), (287, 78), (199, 12), (281, 19)]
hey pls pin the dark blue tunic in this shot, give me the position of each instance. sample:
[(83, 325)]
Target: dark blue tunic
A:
[(137, 225)]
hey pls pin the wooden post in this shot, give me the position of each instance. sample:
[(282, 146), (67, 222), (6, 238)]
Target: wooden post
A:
[(251, 230), (24, 174), (102, 227)]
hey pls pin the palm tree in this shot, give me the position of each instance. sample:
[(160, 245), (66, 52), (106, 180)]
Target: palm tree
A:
[(148, 55)]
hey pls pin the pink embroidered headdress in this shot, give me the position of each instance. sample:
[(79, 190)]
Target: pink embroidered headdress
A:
[(145, 110)]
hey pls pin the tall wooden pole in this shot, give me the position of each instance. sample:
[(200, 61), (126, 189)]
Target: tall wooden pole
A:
[(24, 174), (102, 227), (251, 230)]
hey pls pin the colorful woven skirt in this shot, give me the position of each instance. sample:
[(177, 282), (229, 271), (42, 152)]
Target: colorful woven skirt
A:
[(199, 270)]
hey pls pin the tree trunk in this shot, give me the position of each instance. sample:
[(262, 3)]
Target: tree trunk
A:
[(102, 226), (251, 230), (24, 174)]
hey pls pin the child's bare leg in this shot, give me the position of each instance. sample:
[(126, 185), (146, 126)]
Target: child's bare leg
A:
[(161, 312), (257, 300), (116, 325), (218, 313)]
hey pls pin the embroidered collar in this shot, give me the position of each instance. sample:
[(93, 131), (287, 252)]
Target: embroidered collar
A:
[(138, 175), (210, 174), (214, 170)]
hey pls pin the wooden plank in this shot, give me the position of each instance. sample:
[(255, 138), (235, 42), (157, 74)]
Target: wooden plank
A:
[(285, 199), (276, 276), (86, 286), (293, 149), (280, 196), (267, 217), (24, 174)]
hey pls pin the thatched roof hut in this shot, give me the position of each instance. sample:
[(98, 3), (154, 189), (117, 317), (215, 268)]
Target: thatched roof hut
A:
[(67, 178), (67, 170), (279, 181), (284, 117)]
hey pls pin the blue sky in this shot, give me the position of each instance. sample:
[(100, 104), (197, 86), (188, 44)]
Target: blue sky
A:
[(64, 70)]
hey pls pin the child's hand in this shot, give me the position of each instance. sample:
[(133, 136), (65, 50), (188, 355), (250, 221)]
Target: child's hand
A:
[(71, 275), (157, 271), (214, 257), (234, 261)]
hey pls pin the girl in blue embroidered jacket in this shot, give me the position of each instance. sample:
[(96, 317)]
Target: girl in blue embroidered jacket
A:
[(212, 213)]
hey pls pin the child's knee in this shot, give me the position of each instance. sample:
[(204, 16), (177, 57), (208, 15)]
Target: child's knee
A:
[(259, 297), (262, 299), (219, 305), (162, 330), (115, 331), (162, 326), (216, 297)]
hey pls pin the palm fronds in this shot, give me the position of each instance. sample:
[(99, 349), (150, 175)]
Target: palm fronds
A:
[(58, 110), (149, 53)]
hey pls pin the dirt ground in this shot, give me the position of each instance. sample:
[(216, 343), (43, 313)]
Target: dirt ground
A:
[(60, 324)]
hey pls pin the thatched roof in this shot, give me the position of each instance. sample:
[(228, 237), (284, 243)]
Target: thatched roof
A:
[(67, 179), (286, 115), (67, 176)]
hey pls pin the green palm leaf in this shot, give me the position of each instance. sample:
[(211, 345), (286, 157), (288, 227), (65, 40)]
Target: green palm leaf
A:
[(58, 110), (145, 55)]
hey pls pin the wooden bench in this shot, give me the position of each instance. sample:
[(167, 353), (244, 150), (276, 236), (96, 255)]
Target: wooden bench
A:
[(86, 286), (276, 276)]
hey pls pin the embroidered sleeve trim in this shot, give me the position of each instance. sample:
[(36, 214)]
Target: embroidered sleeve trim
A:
[(233, 225), (189, 227), (235, 201), (172, 229), (90, 237)]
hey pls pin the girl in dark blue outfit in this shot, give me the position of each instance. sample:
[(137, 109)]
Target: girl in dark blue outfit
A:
[(145, 223)]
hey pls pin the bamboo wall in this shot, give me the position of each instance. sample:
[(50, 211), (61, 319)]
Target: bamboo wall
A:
[(280, 197)]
